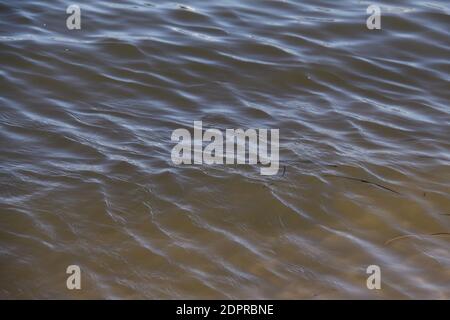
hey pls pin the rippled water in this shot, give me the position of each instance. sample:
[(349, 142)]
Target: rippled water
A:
[(86, 176)]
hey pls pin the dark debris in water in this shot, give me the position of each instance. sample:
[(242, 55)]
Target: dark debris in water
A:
[(365, 181)]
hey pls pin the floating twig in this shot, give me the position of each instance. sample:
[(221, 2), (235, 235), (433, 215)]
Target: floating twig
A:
[(416, 236), (365, 181)]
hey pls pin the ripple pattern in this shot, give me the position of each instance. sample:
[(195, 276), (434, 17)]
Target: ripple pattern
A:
[(86, 176)]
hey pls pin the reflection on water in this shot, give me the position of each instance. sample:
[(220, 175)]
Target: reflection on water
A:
[(86, 176)]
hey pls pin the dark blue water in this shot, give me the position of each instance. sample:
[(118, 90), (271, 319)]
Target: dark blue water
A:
[(86, 176)]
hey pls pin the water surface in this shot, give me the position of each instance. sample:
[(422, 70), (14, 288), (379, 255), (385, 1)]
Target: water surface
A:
[(86, 176)]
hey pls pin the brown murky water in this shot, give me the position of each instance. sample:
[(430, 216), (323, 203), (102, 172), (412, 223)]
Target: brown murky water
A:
[(86, 176)]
